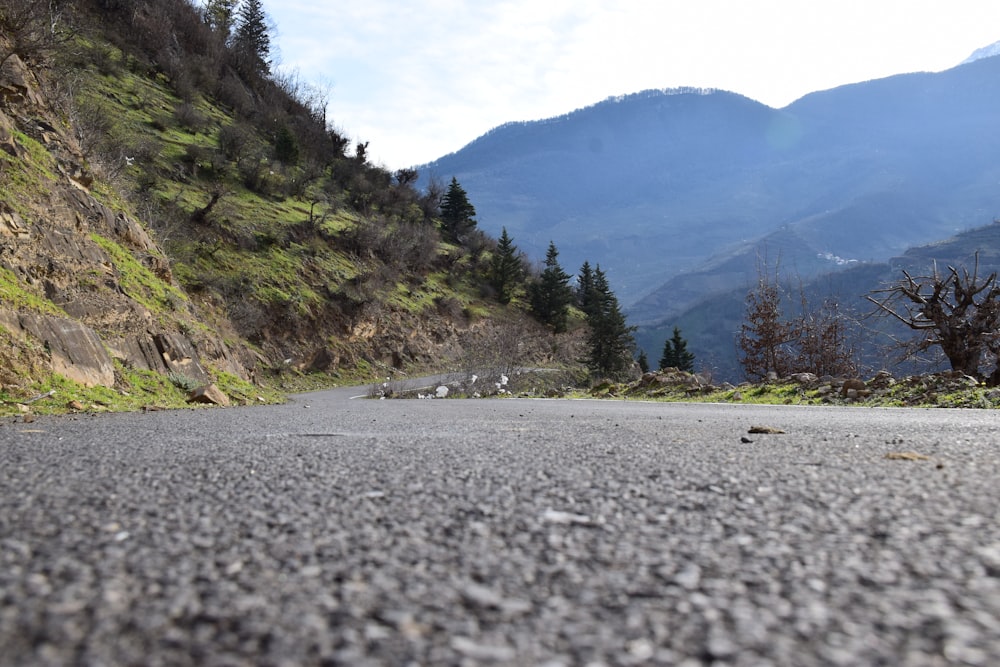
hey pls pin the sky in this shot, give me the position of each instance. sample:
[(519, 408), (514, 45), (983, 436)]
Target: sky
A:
[(418, 79)]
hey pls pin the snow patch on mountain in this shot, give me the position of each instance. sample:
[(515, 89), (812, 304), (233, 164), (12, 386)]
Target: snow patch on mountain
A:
[(985, 52)]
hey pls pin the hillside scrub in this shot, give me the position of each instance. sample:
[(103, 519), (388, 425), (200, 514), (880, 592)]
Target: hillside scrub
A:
[(819, 340), (185, 189)]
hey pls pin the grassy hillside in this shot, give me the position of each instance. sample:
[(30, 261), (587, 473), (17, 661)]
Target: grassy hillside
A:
[(164, 186)]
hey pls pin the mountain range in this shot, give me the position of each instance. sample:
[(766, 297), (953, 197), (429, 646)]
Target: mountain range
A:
[(680, 195), (664, 188)]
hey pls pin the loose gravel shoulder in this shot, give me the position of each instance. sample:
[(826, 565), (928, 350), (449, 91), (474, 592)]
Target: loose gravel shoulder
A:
[(510, 532)]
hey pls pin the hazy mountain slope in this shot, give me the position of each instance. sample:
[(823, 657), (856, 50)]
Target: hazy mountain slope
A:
[(985, 52), (856, 229), (651, 185), (711, 325), (622, 177)]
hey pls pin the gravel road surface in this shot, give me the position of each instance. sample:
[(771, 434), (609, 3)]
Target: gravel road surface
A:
[(501, 532)]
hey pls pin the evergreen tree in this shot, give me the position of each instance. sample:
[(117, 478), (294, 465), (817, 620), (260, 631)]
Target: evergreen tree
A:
[(252, 42), (585, 289), (458, 215), (643, 361), (550, 295), (286, 146), (505, 268), (610, 340), (676, 355)]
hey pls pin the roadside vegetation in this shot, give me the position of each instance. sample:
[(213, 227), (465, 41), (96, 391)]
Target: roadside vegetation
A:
[(273, 229), (275, 232)]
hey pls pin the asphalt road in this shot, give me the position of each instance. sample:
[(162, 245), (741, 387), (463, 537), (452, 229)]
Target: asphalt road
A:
[(338, 532)]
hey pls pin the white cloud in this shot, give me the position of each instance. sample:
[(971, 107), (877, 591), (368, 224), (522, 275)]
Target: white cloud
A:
[(420, 79)]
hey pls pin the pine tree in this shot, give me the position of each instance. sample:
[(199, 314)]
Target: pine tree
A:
[(550, 295), (458, 215), (643, 361), (286, 146), (585, 289), (252, 42), (610, 340), (676, 355), (505, 269)]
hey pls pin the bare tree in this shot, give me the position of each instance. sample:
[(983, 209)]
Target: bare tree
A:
[(820, 340), (826, 345), (31, 28), (958, 311), (215, 195), (765, 337)]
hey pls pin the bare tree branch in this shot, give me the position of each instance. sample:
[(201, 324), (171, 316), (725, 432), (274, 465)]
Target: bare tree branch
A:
[(954, 310)]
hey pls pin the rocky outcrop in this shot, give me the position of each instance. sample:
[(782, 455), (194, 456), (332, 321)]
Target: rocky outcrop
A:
[(75, 350), (77, 305), (162, 353)]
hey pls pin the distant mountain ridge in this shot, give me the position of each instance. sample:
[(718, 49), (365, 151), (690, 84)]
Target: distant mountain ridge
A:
[(710, 324), (657, 184), (985, 52)]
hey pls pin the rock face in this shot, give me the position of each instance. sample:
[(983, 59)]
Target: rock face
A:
[(64, 250), (75, 350), (78, 353)]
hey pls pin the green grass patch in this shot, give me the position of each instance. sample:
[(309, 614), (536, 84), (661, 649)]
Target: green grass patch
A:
[(14, 296), (138, 282), (336, 221), (139, 390), (416, 299), (135, 390), (23, 178), (246, 393)]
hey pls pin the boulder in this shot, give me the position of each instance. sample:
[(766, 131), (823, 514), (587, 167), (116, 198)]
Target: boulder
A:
[(855, 385), (17, 84), (210, 395), (11, 224), (322, 360), (882, 380)]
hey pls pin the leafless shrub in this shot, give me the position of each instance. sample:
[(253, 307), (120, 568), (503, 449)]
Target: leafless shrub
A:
[(450, 308), (235, 141), (820, 340), (492, 363), (32, 28), (235, 94), (105, 60), (957, 311), (827, 341), (190, 118), (401, 245), (92, 121)]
